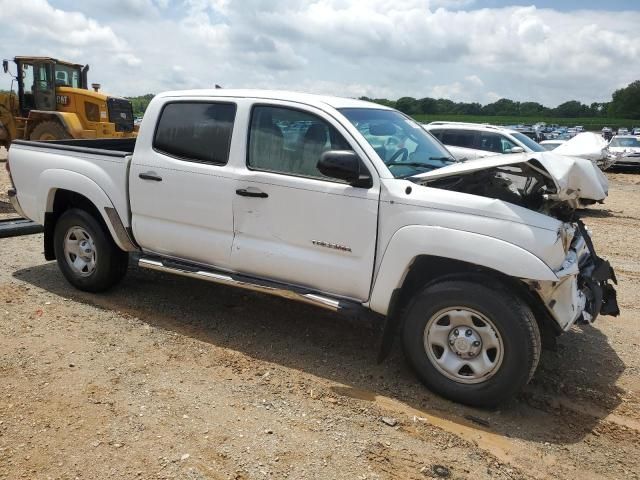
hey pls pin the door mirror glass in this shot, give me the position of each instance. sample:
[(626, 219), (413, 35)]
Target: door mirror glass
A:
[(344, 165)]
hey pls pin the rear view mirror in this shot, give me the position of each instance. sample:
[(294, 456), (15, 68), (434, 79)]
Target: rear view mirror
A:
[(516, 150), (5, 66), (344, 165), (382, 129)]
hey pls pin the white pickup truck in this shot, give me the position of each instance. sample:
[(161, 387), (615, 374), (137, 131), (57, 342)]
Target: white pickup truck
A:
[(336, 202)]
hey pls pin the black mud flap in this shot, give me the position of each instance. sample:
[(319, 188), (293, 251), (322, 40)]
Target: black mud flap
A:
[(596, 274)]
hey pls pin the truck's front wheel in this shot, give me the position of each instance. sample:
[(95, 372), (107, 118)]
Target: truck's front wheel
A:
[(472, 342), (86, 254)]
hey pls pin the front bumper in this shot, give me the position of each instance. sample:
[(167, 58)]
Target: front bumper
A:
[(629, 160), (595, 274), (583, 290)]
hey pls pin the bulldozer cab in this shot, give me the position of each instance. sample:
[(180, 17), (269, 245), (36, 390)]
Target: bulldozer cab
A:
[(38, 78), (54, 103)]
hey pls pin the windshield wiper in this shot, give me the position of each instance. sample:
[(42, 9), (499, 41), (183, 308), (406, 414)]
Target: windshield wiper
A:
[(442, 159), (409, 164)]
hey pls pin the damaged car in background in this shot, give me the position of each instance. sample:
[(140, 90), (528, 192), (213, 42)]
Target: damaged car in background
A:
[(581, 155), (625, 151), (342, 204)]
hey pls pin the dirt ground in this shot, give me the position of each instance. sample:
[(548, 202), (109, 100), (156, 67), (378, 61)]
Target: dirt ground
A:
[(168, 377)]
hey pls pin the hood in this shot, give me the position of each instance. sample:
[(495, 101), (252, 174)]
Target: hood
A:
[(584, 145), (570, 181)]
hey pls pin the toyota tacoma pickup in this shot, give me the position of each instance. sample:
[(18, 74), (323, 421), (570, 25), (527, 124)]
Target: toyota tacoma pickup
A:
[(340, 203)]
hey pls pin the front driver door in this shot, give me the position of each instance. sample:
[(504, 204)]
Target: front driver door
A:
[(293, 224)]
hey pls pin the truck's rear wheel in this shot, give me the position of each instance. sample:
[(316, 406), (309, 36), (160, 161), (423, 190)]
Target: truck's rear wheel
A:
[(86, 254), (472, 342), (49, 130)]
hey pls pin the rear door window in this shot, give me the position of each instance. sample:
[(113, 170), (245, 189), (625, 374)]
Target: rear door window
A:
[(196, 131), (458, 138)]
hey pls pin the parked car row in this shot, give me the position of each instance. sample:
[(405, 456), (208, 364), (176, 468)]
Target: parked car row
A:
[(470, 141)]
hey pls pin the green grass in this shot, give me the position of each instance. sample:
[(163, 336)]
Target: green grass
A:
[(589, 123)]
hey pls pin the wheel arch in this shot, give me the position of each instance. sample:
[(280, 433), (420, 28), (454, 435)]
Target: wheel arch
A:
[(411, 247), (403, 273), (64, 190)]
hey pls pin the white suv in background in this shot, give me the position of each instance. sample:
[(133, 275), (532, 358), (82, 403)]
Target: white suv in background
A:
[(470, 141)]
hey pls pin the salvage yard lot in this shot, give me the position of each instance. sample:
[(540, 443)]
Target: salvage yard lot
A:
[(589, 123), (168, 377)]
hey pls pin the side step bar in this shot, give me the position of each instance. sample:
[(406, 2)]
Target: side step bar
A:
[(248, 283), (14, 227)]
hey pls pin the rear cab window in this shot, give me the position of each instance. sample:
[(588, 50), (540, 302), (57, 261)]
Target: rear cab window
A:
[(196, 131)]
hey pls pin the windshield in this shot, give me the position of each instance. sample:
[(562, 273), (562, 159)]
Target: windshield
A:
[(625, 142), (67, 76), (401, 143), (522, 138)]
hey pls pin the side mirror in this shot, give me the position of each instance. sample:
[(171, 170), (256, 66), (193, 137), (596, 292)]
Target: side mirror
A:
[(516, 150), (5, 66), (344, 165)]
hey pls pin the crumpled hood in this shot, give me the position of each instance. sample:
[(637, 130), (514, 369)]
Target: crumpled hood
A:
[(575, 179), (587, 145)]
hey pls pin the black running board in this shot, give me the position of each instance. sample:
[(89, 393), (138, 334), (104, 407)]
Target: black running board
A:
[(249, 283), (15, 227)]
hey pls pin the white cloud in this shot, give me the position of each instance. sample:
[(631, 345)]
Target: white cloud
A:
[(42, 28), (345, 47), (474, 80)]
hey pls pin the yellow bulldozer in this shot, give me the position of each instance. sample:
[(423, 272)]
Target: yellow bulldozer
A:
[(53, 102)]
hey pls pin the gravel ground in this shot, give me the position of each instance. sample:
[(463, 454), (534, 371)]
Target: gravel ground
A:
[(168, 377)]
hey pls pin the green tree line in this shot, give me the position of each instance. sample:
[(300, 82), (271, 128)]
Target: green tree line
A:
[(140, 104), (625, 103)]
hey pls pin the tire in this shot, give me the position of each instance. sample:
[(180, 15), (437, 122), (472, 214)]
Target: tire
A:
[(49, 130), (91, 261), (502, 324)]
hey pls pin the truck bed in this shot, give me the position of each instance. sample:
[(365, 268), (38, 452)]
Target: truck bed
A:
[(113, 147), (95, 167)]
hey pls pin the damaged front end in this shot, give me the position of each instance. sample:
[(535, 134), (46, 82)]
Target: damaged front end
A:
[(551, 184), (583, 289)]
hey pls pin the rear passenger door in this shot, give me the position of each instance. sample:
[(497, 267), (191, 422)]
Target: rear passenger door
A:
[(180, 186), (292, 223), (460, 143)]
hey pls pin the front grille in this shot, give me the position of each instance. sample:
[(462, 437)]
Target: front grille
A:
[(120, 113)]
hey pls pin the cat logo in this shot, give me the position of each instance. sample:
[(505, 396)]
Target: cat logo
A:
[(62, 99)]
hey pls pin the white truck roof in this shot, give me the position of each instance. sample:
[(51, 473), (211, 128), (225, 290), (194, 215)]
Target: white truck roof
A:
[(319, 101)]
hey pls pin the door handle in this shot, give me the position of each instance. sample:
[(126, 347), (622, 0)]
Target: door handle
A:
[(246, 193), (150, 176)]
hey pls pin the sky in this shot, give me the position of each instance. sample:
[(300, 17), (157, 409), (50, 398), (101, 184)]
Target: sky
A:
[(465, 50)]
